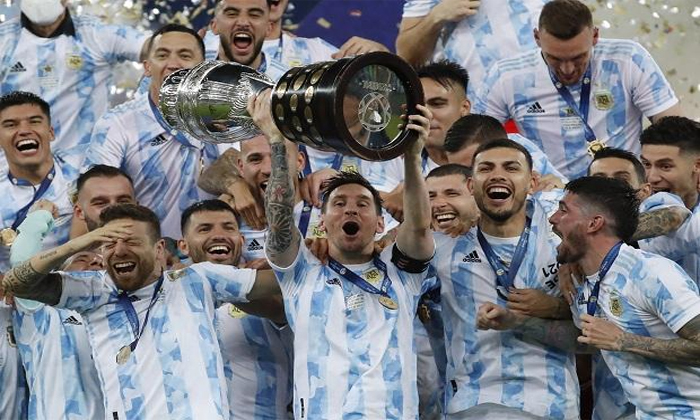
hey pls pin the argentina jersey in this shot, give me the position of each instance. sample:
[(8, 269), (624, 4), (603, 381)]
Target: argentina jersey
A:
[(71, 72), (294, 51), (13, 386), (626, 84), (353, 357), (164, 165), (18, 193), (650, 296), (498, 30), (57, 358), (682, 245), (498, 367)]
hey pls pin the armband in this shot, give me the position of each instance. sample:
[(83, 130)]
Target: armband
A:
[(405, 263)]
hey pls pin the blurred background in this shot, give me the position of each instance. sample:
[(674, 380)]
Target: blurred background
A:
[(669, 29)]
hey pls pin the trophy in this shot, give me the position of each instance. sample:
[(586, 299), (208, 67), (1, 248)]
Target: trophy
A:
[(351, 106)]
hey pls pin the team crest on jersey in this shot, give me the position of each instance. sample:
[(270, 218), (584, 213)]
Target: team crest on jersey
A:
[(603, 100), (615, 305), (235, 312), (74, 61), (177, 274), (11, 336)]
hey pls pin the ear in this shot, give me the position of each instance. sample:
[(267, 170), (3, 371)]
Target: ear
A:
[(182, 246), (301, 161), (534, 181), (322, 224), (160, 250), (78, 212), (53, 134), (696, 165), (465, 108), (595, 36), (213, 26), (644, 191), (239, 164), (536, 34), (470, 184), (596, 224), (146, 68), (380, 224)]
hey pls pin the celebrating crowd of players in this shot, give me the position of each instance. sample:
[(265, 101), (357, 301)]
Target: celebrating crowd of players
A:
[(550, 274)]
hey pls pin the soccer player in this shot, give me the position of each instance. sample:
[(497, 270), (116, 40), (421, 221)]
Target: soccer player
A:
[(152, 331), (352, 320), (34, 173), (641, 310), (164, 164), (577, 93), (493, 374), (68, 61), (256, 353), (453, 208), (474, 34)]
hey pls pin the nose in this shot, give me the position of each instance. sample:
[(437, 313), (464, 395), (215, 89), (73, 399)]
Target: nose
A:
[(567, 67), (266, 166), (653, 175), (120, 247), (554, 219)]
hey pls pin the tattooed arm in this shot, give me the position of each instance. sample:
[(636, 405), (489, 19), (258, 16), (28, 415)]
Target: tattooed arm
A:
[(684, 350), (283, 239), (32, 279), (660, 222)]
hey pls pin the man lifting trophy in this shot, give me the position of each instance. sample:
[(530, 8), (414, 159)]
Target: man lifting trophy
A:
[(351, 106)]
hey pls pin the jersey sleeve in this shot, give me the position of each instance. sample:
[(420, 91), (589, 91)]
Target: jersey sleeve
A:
[(490, 97), (108, 145), (83, 290), (651, 92), (228, 283), (291, 278), (418, 8), (119, 43), (672, 295)]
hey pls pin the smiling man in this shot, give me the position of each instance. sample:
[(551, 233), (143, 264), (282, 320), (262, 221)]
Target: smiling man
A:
[(577, 92), (164, 164), (453, 208), (34, 172)]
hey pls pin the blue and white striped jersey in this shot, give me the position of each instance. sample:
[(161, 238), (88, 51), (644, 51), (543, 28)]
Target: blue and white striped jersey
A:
[(18, 193), (71, 73), (651, 296), (295, 51), (13, 385), (626, 84), (353, 358), (682, 245), (498, 30), (498, 367), (163, 164), (176, 371)]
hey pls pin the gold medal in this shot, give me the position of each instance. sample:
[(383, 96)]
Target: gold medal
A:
[(595, 146), (7, 236), (388, 302), (123, 355), (235, 312)]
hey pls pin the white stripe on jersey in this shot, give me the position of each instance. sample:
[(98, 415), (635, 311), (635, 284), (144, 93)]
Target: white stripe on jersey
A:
[(176, 371), (626, 85), (298, 51), (497, 366), (13, 386), (648, 295)]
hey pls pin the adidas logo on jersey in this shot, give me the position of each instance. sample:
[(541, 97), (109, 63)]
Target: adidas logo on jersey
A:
[(17, 68), (72, 321), (472, 257), (535, 108), (255, 246)]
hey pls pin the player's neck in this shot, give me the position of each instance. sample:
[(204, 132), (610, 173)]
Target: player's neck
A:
[(510, 228), (32, 173), (275, 30), (155, 97), (436, 154), (351, 257), (596, 250), (45, 31), (691, 199)]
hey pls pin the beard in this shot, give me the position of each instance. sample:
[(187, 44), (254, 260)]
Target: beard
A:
[(571, 249), (228, 52)]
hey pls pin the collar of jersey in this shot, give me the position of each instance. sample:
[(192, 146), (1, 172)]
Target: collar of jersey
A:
[(66, 28)]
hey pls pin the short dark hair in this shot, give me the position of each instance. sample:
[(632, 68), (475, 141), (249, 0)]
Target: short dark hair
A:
[(132, 212), (175, 27), (19, 97), (673, 131), (349, 177), (100, 171), (450, 169), (201, 206), (612, 196), (507, 144), (564, 19), (446, 73), (473, 129), (219, 2), (611, 152)]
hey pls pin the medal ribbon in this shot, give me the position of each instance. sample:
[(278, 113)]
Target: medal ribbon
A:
[(505, 276), (133, 317), (608, 261), (359, 281), (581, 110), (304, 218), (38, 192)]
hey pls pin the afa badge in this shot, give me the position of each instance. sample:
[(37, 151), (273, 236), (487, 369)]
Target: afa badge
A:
[(177, 274), (616, 305), (603, 100), (74, 61), (235, 312)]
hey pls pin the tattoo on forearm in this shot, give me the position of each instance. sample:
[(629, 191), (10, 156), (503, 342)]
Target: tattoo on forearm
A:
[(684, 350), (25, 282), (219, 175), (48, 254), (555, 333), (657, 223), (279, 198)]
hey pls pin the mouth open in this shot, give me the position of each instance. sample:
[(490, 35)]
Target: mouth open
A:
[(27, 146), (263, 185), (219, 250), (242, 40), (124, 267), (498, 193), (351, 228), (445, 218)]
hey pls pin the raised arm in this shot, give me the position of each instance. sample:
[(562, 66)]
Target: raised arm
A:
[(32, 279), (283, 239), (414, 238), (660, 222)]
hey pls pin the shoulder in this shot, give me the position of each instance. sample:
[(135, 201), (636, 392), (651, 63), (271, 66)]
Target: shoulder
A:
[(520, 63), (617, 48), (133, 110), (10, 27)]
